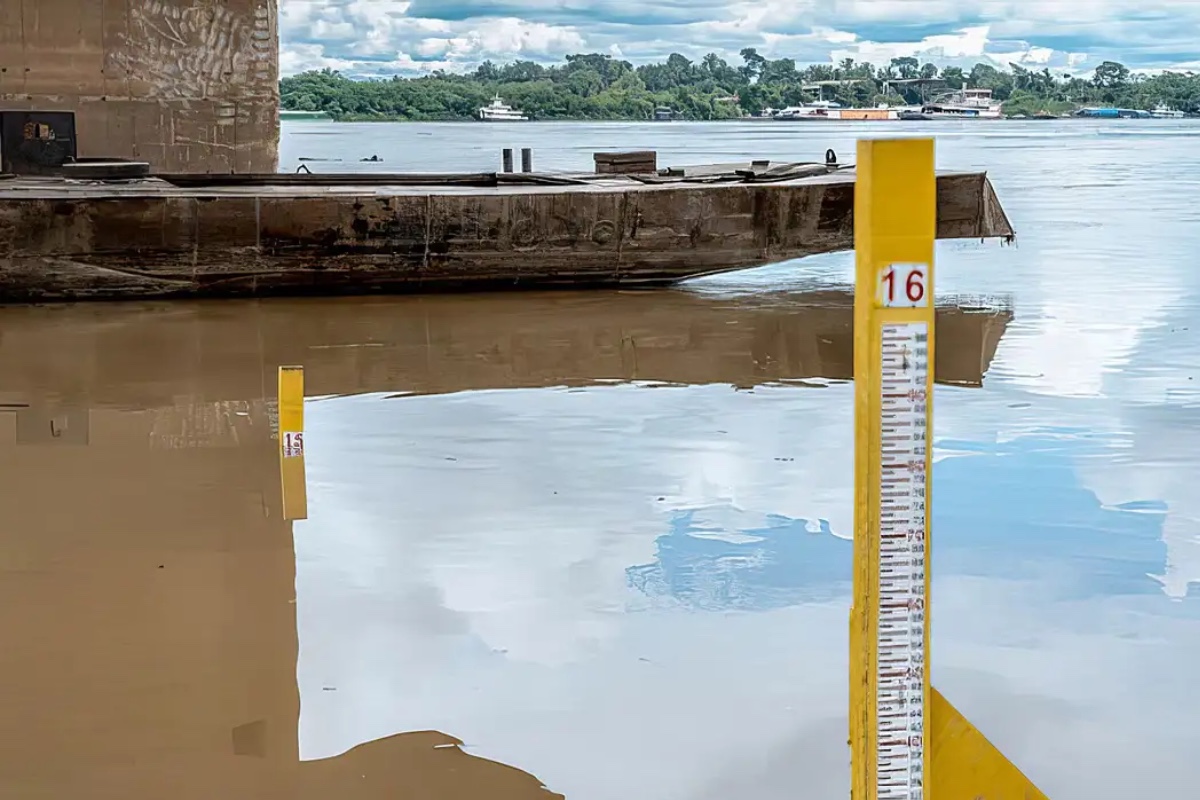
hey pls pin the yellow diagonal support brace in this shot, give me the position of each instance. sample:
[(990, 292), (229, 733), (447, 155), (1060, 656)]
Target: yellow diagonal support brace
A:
[(965, 764), (291, 443)]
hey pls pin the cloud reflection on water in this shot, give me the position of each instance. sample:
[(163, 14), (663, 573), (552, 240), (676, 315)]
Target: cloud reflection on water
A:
[(551, 565), (1051, 631)]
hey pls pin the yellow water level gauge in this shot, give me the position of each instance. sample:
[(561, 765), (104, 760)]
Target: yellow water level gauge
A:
[(293, 482), (908, 743)]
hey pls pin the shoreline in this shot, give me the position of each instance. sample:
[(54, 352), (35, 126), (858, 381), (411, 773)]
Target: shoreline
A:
[(762, 120)]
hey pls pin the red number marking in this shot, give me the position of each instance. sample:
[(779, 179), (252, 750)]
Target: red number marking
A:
[(890, 279), (914, 287)]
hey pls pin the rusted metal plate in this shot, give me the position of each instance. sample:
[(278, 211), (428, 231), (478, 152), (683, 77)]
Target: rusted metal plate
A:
[(36, 142)]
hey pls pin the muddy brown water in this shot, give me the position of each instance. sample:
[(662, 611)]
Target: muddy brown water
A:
[(596, 545)]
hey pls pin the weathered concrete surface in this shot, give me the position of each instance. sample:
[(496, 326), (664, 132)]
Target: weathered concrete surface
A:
[(187, 85), (60, 240)]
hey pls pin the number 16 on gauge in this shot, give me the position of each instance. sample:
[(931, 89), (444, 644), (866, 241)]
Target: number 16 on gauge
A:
[(903, 286)]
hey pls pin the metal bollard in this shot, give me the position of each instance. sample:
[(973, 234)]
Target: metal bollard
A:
[(506, 158), (526, 159)]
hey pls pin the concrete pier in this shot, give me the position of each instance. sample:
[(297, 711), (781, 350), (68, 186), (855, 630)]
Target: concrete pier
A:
[(186, 85)]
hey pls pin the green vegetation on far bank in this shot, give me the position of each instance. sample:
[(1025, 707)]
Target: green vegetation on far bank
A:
[(597, 87)]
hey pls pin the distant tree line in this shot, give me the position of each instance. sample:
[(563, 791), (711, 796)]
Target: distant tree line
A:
[(595, 86)]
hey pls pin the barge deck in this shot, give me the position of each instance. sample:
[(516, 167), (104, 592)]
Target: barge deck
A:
[(258, 235)]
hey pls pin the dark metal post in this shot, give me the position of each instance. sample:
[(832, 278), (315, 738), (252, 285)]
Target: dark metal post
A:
[(506, 158), (526, 159)]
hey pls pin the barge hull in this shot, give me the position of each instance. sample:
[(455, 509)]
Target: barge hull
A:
[(62, 240)]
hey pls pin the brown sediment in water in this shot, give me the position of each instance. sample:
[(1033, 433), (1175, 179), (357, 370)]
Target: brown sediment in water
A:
[(148, 577), (149, 612), (424, 764)]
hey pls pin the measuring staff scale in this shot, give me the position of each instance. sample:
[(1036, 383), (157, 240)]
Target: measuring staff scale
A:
[(907, 741), (902, 622)]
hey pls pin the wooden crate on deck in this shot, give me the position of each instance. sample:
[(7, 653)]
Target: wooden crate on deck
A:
[(638, 162)]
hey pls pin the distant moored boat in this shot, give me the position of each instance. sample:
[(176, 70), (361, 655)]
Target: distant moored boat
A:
[(1113, 113), (961, 104), (832, 111), (499, 111), (1161, 111), (286, 114)]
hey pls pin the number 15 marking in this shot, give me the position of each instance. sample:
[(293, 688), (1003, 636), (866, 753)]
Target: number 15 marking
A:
[(293, 444), (903, 286)]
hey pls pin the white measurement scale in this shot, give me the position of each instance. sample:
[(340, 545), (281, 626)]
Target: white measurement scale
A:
[(900, 696), (895, 382)]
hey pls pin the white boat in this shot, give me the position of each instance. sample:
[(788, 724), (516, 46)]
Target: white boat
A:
[(963, 104), (1162, 112), (286, 114), (820, 109), (830, 110), (499, 111)]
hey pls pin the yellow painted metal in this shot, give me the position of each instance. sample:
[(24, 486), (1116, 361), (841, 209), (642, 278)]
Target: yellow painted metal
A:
[(895, 223), (291, 443), (965, 764)]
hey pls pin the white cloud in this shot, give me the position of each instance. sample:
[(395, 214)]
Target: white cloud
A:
[(968, 43), (510, 36), (412, 36)]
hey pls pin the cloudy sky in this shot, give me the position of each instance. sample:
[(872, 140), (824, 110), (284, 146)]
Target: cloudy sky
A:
[(366, 37)]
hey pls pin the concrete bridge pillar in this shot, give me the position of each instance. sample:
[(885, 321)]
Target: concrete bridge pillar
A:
[(188, 85)]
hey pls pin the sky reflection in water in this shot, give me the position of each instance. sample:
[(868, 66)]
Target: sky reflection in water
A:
[(672, 566), (635, 557)]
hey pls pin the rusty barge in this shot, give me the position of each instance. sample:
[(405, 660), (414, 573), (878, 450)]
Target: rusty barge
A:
[(170, 236)]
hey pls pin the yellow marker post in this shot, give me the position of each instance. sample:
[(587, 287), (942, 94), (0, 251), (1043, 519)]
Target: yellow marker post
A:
[(907, 742), (895, 221), (291, 443)]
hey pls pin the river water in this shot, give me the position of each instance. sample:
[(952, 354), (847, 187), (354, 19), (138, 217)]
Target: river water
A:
[(601, 540)]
